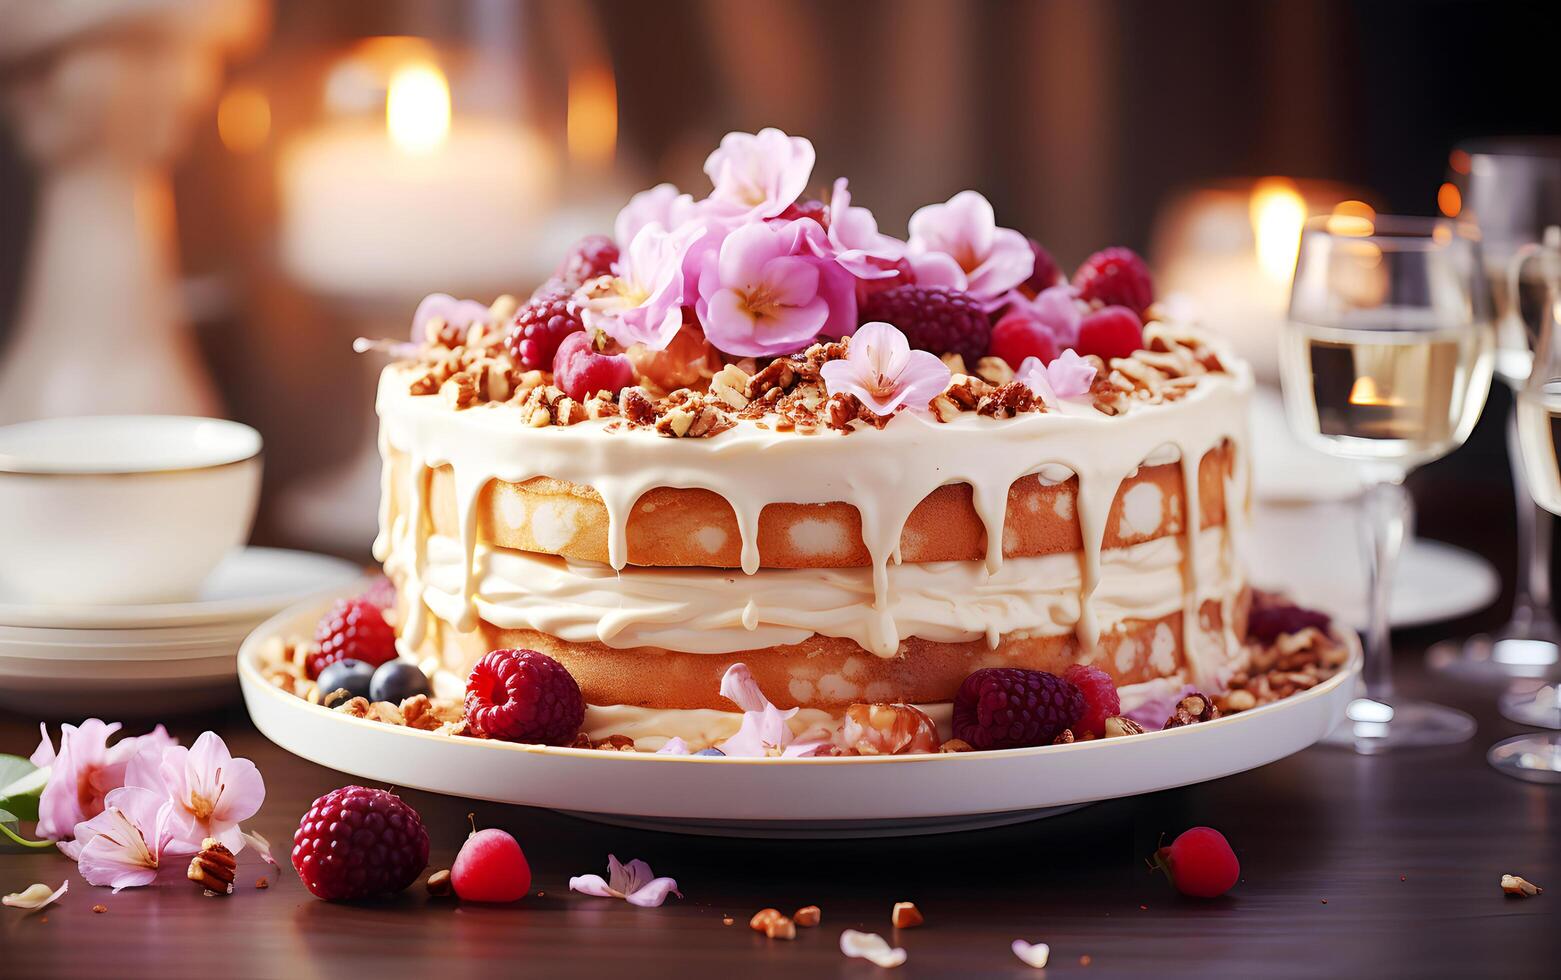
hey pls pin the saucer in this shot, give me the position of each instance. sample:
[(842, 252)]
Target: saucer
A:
[(72, 661)]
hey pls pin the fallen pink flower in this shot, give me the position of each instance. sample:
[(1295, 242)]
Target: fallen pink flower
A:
[(209, 793), (123, 846), (675, 746), (634, 882), (85, 770), (766, 730)]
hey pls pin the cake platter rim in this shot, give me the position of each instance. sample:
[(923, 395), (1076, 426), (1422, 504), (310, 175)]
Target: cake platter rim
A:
[(821, 796)]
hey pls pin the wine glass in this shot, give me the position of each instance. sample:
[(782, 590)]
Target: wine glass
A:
[(1510, 189), (1538, 757), (1386, 359)]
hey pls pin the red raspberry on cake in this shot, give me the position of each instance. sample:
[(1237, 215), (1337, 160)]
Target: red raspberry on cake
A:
[(588, 258), (1009, 708), (933, 318), (1115, 276), (1114, 331), (1100, 697), (1018, 335), (581, 372), (354, 629), (523, 696), (541, 325), (1046, 273), (357, 842)]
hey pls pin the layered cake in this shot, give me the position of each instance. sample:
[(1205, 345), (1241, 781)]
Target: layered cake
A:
[(752, 443)]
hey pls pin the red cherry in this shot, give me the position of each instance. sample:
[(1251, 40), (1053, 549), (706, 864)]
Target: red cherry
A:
[(490, 868), (1114, 331), (1018, 336), (1200, 863)]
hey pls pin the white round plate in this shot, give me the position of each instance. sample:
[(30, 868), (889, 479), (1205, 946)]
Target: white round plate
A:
[(1316, 553), (790, 797), (250, 584)]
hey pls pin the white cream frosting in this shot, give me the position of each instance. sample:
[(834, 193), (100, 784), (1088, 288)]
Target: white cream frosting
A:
[(710, 610), (883, 473)]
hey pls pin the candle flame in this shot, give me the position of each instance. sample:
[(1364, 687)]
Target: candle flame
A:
[(417, 108), (1449, 200), (593, 115), (1364, 392), (244, 119), (1277, 212)]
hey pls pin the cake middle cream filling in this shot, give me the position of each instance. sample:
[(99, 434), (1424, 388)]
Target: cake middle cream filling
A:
[(720, 611)]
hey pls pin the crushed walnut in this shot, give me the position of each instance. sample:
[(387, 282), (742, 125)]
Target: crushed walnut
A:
[(214, 868), (1522, 888), (1294, 662), (1191, 710)]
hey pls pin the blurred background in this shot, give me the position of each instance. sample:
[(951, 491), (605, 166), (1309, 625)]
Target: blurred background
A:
[(203, 201)]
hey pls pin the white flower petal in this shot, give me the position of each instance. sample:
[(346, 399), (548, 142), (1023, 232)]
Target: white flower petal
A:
[(871, 947), (35, 897), (1034, 955), (592, 885)]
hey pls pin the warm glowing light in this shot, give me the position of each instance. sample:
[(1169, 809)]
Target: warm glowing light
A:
[(1277, 212), (417, 108), (1364, 392), (1449, 200), (1458, 160), (1353, 218), (593, 115), (244, 119)]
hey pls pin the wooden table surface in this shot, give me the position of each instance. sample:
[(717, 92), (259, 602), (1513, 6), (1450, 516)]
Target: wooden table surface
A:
[(1351, 866)]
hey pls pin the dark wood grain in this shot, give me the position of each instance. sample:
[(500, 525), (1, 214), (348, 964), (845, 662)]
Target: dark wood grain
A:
[(1351, 867)]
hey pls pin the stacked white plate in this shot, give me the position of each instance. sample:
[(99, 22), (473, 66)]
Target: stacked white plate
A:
[(123, 661)]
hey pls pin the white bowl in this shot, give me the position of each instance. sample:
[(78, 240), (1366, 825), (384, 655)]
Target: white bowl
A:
[(122, 509)]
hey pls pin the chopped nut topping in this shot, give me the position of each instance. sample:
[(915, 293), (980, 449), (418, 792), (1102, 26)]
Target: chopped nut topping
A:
[(214, 868), (262, 883), (1064, 737), (1191, 710), (808, 916), (773, 924), (100, 909), (1513, 885), (615, 743), (956, 745), (1119, 725), (906, 915), (438, 884)]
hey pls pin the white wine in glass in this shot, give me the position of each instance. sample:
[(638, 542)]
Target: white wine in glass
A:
[(1539, 434), (1386, 359)]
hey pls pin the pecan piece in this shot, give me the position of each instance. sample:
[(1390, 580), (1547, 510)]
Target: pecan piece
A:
[(214, 868), (1191, 710)]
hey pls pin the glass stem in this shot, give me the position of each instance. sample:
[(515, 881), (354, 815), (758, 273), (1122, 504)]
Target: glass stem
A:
[(1387, 513), (1531, 587)]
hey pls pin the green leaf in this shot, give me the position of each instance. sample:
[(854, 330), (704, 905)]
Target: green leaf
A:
[(21, 783)]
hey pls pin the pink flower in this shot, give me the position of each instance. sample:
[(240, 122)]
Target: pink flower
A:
[(883, 372), (758, 176), (209, 793), (634, 882), (858, 245), (662, 205), (123, 846), (1056, 308), (459, 313), (767, 291), (1067, 376), (992, 259), (85, 770), (643, 303), (765, 731), (675, 746)]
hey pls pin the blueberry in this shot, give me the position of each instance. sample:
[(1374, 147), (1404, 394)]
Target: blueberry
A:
[(397, 680), (710, 751), (353, 675)]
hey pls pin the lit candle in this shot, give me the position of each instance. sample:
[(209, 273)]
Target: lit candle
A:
[(421, 202)]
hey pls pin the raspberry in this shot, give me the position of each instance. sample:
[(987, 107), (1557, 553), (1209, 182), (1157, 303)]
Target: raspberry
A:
[(1009, 707), (1268, 621), (1116, 277), (541, 325), (943, 321), (1018, 336), (808, 207), (1100, 697), (1046, 273), (581, 372), (523, 696), (354, 629), (357, 842), (490, 868), (588, 258), (1114, 331), (1200, 863)]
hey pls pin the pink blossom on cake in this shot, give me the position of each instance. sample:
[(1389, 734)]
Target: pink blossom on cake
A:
[(663, 204), (766, 730), (766, 291), (758, 175), (1067, 376), (858, 245), (884, 373), (458, 313), (1056, 309), (992, 260), (642, 304)]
